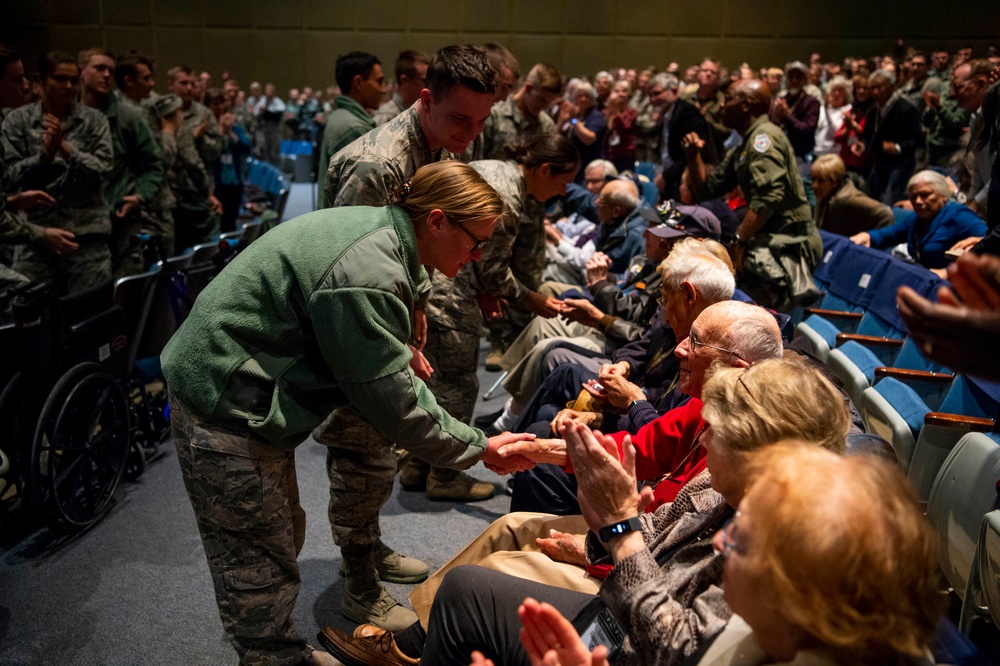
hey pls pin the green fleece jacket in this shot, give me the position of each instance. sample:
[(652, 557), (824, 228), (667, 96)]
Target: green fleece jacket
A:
[(312, 316)]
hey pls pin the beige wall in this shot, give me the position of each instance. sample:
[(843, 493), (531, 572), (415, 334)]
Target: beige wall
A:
[(296, 42)]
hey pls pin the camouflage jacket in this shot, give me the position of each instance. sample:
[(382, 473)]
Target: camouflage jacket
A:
[(190, 180), (138, 162), (507, 125), (389, 110), (209, 144), (453, 302), (76, 183), (368, 171)]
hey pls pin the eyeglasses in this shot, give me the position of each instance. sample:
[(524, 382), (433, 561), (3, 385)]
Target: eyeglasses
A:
[(693, 337), (480, 243), (728, 542)]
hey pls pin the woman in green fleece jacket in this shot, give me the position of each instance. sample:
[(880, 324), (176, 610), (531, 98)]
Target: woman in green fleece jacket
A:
[(314, 315)]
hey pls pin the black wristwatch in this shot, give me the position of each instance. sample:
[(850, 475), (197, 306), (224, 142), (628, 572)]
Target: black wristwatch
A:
[(608, 532)]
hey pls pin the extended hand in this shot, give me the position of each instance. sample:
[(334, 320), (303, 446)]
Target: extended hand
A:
[(59, 241), (864, 239), (582, 311), (549, 451), (503, 453), (544, 306), (419, 364), (30, 200)]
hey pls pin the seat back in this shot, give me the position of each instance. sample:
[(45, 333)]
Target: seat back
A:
[(910, 358), (893, 410), (963, 492), (251, 232), (982, 593), (970, 396), (833, 246), (858, 274), (134, 294), (204, 252), (883, 317), (855, 364)]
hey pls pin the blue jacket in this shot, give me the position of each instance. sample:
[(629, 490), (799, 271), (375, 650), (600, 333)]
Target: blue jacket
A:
[(623, 240), (953, 223)]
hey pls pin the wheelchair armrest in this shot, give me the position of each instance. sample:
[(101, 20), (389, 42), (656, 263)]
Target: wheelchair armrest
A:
[(905, 374), (972, 423), (837, 314), (868, 340), (94, 320)]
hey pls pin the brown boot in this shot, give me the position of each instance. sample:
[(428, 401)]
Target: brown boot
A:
[(447, 485), (368, 646), (413, 473)]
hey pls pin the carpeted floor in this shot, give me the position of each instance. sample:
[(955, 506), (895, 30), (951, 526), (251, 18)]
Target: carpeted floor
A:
[(135, 589)]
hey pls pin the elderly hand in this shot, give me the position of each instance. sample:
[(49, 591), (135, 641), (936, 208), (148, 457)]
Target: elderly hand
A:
[(597, 268), (564, 547), (552, 234), (618, 390), (565, 416), (965, 244), (549, 451), (544, 306), (864, 239), (549, 639), (692, 144), (608, 485), (419, 364), (582, 311), (503, 452)]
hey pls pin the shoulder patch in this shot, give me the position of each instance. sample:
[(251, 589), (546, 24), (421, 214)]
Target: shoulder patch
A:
[(761, 142)]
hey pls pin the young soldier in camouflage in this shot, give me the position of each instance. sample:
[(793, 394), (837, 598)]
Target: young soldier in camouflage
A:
[(361, 462)]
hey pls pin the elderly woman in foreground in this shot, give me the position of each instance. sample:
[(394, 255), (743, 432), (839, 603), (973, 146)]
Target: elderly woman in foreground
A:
[(933, 226), (856, 520), (663, 595)]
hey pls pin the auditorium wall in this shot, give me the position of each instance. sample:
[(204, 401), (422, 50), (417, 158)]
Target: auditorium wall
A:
[(296, 42)]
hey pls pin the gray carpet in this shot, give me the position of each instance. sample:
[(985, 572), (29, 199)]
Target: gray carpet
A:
[(135, 589)]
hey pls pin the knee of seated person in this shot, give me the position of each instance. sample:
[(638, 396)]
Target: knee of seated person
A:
[(460, 580)]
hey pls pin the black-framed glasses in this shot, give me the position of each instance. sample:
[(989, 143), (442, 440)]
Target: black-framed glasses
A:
[(480, 243), (693, 337), (728, 541)]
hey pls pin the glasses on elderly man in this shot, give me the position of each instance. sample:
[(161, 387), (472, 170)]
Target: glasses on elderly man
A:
[(695, 342), (480, 243)]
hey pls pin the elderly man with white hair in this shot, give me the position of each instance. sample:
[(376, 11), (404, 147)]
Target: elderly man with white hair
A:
[(931, 228)]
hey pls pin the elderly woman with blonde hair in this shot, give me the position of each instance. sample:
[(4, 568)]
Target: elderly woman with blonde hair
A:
[(841, 208)]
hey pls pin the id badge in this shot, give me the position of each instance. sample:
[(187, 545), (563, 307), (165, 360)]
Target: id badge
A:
[(614, 140), (604, 630), (226, 158)]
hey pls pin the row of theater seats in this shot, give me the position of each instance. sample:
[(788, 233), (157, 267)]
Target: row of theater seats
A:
[(940, 424)]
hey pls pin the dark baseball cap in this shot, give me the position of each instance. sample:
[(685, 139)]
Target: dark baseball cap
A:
[(693, 221)]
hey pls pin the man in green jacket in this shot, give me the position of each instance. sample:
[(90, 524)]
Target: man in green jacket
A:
[(137, 166), (360, 76), (777, 245)]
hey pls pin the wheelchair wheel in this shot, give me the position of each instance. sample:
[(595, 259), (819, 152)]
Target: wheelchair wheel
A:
[(12, 472), (135, 462), (80, 447)]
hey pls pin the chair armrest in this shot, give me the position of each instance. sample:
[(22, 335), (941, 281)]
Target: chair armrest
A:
[(838, 314), (905, 374), (869, 340), (973, 423)]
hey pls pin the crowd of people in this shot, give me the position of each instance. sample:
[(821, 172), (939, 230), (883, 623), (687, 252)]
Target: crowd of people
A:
[(630, 243)]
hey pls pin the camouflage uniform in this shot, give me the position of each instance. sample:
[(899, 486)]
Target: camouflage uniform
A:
[(137, 169), (454, 319), (77, 184), (647, 125), (508, 125), (780, 257), (361, 461), (192, 184), (13, 229), (389, 110)]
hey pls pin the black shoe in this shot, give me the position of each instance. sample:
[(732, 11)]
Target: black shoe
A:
[(486, 420)]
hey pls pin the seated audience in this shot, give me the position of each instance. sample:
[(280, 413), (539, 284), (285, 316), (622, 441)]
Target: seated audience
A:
[(933, 226), (664, 589), (841, 208), (876, 602)]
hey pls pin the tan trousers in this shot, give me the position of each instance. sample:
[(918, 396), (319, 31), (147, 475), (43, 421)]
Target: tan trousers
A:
[(508, 546)]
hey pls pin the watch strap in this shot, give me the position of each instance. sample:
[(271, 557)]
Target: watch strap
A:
[(609, 532)]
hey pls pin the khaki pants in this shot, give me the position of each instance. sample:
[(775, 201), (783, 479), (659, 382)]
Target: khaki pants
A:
[(508, 546)]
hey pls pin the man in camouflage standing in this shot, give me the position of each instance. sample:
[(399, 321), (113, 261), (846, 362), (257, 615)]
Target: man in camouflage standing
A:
[(411, 72), (777, 245), (137, 166), (62, 148), (450, 113)]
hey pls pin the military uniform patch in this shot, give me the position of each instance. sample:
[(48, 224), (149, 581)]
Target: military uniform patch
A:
[(761, 142)]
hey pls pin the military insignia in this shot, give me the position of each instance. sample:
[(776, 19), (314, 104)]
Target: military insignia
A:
[(761, 142)]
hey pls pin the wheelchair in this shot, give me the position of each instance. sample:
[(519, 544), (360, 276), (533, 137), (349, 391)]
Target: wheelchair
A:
[(75, 416)]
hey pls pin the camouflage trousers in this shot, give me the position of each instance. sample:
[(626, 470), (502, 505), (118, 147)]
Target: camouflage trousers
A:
[(246, 501), (87, 267), (361, 466), (9, 280)]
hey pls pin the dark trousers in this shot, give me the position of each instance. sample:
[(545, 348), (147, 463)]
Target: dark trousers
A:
[(561, 386), (476, 609), (231, 197), (887, 180), (545, 489)]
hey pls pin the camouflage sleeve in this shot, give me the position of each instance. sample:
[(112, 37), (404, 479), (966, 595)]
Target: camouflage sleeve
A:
[(493, 270), (190, 160), (168, 150), (722, 179), (147, 158), (25, 169), (210, 141), (91, 154), (361, 183), (15, 230)]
